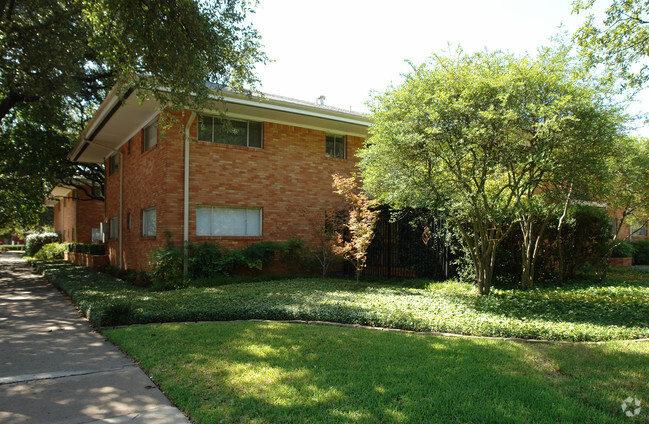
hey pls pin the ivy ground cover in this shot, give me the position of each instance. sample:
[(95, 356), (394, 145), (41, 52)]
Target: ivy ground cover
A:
[(617, 309)]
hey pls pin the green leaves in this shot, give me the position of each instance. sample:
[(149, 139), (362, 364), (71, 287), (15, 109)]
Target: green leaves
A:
[(58, 59), (474, 138), (617, 309), (620, 42)]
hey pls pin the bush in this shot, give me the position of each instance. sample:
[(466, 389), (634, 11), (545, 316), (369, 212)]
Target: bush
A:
[(167, 270), (208, 260), (623, 250), (11, 247), (50, 251), (641, 252), (87, 248), (211, 260), (35, 242)]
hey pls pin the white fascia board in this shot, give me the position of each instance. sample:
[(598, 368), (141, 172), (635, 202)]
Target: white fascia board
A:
[(296, 110)]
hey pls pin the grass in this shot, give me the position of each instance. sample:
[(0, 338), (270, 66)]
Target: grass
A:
[(615, 310), (251, 372)]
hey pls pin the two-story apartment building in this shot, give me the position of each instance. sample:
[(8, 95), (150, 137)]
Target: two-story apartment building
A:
[(262, 173), (77, 217)]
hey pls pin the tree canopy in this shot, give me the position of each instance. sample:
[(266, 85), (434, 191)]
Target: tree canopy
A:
[(58, 59), (477, 139), (620, 41)]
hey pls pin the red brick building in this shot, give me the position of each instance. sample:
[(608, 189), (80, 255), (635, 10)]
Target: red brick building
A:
[(261, 174), (76, 216)]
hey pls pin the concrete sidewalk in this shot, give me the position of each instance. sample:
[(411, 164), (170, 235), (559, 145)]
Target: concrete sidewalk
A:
[(54, 368)]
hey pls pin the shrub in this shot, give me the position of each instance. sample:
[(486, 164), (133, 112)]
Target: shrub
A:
[(89, 249), (211, 260), (116, 313), (167, 269), (623, 250), (641, 252), (10, 247), (50, 251), (208, 260), (34, 242)]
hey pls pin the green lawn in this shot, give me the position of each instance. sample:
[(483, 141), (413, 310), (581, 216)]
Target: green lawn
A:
[(616, 310), (251, 372)]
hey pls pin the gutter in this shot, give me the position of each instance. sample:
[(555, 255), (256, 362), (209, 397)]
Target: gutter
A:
[(186, 195), (121, 209)]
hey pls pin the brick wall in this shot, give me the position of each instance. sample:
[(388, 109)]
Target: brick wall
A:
[(290, 179), (74, 219)]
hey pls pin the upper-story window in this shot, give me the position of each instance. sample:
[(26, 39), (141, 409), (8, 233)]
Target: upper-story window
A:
[(150, 135), (335, 146), (113, 163), (230, 131)]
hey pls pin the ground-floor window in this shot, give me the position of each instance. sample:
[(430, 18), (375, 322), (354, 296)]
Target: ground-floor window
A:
[(148, 222), (228, 221), (113, 227)]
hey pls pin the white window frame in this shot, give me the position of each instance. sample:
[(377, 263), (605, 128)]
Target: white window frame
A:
[(213, 118), (213, 230), (344, 144), (145, 217), (145, 135), (113, 228)]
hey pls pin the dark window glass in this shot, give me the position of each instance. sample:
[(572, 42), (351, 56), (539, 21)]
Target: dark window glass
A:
[(229, 131), (255, 134), (113, 163), (335, 146), (205, 128)]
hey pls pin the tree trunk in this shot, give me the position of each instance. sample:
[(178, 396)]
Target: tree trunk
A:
[(530, 249), (562, 264)]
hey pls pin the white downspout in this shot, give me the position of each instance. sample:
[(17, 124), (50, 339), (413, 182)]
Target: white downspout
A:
[(186, 194), (121, 207)]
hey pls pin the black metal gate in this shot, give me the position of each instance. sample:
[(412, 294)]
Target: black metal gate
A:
[(401, 250)]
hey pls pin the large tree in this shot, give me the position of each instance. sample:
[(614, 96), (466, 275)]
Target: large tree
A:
[(58, 59), (480, 138)]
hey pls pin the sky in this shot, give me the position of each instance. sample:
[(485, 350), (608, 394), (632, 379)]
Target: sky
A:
[(348, 49)]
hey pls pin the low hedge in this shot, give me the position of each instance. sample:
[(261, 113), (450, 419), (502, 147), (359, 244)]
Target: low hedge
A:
[(11, 247), (87, 248), (641, 252), (50, 251), (34, 242), (618, 309)]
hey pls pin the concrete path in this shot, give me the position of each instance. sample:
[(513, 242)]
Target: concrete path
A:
[(54, 368)]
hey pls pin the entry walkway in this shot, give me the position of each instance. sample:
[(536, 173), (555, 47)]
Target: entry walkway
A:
[(54, 368)]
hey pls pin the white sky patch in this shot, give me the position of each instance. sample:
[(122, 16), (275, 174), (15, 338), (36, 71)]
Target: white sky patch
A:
[(346, 49)]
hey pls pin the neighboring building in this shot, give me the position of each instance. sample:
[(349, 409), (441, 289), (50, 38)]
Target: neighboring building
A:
[(263, 174), (637, 232), (77, 217)]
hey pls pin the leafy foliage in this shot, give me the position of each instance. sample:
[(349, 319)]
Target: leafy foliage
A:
[(59, 58), (359, 225), (87, 248), (34, 242), (50, 251), (641, 252), (619, 42), (617, 309), (479, 139), (211, 260), (623, 250)]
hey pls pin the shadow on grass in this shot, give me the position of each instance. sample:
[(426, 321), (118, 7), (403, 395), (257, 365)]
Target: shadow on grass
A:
[(266, 373)]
